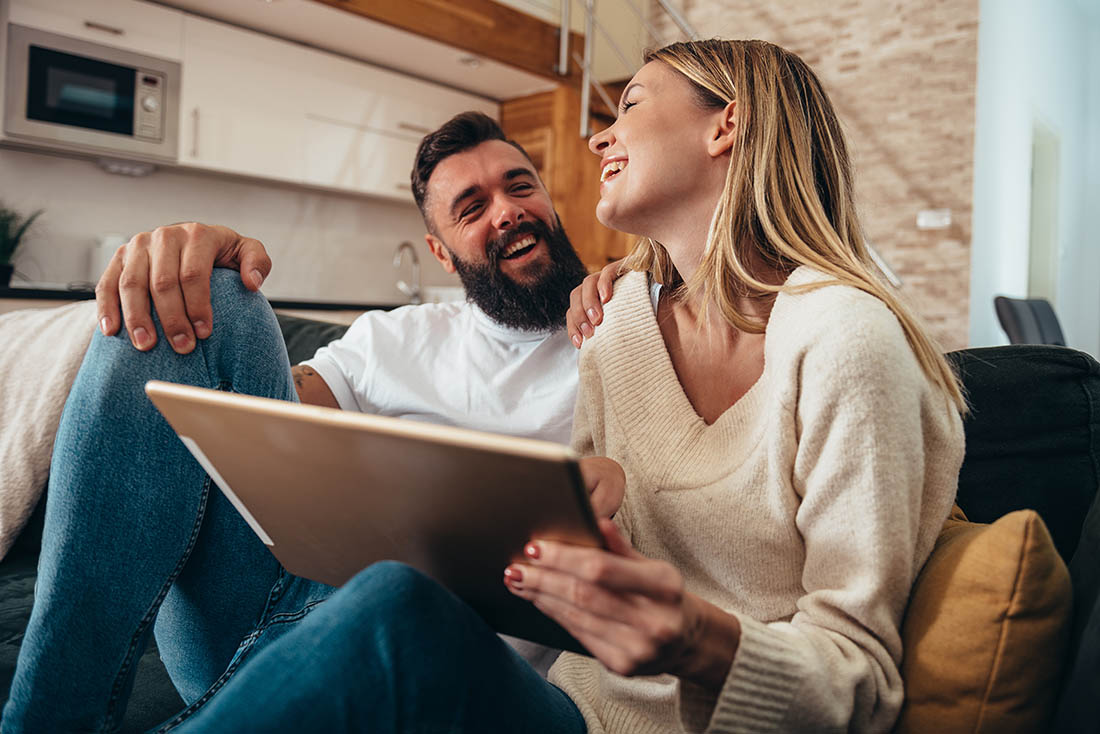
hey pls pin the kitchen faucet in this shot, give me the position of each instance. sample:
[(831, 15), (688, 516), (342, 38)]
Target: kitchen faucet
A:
[(412, 291)]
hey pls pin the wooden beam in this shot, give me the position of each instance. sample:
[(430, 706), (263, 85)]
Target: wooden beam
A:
[(481, 27)]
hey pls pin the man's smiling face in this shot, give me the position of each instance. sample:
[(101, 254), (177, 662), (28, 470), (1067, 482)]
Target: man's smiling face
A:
[(494, 225), (483, 203)]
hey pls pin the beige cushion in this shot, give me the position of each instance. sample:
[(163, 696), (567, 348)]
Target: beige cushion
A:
[(41, 354), (986, 630)]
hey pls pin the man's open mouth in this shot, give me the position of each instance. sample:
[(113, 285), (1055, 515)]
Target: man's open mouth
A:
[(519, 248)]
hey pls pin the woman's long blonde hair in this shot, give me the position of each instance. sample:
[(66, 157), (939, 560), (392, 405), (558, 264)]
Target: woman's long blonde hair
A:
[(787, 199)]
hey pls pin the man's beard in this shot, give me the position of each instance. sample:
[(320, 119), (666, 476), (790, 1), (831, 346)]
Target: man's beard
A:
[(535, 306)]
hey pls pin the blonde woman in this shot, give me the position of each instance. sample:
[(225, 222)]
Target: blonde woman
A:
[(790, 439)]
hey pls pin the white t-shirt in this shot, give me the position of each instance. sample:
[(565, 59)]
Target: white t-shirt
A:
[(449, 363)]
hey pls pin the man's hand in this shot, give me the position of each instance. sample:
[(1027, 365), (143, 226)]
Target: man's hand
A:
[(606, 483), (586, 302), (173, 265)]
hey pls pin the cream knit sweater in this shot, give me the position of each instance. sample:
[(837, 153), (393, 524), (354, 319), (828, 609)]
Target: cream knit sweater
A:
[(806, 510)]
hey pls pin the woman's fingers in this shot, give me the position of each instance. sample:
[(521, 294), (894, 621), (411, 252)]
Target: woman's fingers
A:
[(606, 483), (607, 277)]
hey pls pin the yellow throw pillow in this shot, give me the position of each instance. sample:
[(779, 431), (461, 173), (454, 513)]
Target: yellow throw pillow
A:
[(986, 630)]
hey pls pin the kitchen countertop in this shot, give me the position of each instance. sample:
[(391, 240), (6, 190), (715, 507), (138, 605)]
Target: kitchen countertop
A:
[(62, 293)]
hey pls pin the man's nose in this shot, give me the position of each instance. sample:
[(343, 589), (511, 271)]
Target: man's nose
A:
[(508, 214)]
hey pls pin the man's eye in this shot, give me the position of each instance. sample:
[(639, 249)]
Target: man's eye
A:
[(522, 187), (469, 211)]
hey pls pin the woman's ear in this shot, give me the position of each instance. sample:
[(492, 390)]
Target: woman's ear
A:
[(725, 131)]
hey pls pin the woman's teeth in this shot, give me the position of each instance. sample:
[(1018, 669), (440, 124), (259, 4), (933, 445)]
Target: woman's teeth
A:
[(521, 244), (611, 169)]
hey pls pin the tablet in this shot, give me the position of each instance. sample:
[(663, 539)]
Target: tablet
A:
[(331, 492)]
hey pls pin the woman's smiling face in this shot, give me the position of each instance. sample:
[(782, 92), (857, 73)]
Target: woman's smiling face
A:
[(656, 166)]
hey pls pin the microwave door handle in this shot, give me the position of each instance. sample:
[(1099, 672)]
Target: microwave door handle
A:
[(92, 25), (195, 136)]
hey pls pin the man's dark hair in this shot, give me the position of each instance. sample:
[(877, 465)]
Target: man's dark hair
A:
[(462, 132)]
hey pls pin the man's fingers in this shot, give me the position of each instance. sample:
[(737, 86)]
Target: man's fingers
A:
[(133, 289), (254, 263), (108, 314), (195, 268), (165, 287)]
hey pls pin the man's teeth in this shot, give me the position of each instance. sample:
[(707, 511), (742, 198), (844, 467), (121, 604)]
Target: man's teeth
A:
[(520, 244), (611, 169)]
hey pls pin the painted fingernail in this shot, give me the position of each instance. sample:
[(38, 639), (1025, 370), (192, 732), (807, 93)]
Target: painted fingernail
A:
[(586, 329), (532, 550), (257, 278), (513, 575), (201, 329), (141, 337), (104, 325), (593, 315), (182, 341), (577, 340)]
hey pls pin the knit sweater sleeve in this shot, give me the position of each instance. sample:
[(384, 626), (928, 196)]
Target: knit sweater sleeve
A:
[(876, 456)]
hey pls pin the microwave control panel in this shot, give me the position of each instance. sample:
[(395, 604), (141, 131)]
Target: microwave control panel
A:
[(149, 110)]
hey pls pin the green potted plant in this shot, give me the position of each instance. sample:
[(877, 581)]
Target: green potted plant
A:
[(12, 228)]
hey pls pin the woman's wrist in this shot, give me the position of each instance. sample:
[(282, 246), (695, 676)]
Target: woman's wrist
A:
[(711, 641)]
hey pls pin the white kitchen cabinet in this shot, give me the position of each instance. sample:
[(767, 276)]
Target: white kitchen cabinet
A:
[(136, 26), (239, 103), (355, 158)]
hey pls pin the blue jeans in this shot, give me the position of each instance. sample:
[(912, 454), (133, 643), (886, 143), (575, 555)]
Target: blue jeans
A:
[(138, 541), (391, 651), (135, 533)]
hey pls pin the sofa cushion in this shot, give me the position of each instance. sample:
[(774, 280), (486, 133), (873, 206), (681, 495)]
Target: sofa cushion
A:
[(304, 337), (986, 630), (1033, 438)]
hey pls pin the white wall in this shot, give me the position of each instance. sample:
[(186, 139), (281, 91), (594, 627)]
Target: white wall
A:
[(324, 246), (1037, 60)]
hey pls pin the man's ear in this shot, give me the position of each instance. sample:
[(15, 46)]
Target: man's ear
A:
[(724, 132), (440, 252)]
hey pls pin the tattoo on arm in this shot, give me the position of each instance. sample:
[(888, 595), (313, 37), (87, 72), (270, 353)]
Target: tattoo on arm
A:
[(300, 372)]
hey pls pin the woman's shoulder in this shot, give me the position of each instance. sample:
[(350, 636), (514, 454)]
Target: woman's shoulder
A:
[(820, 313)]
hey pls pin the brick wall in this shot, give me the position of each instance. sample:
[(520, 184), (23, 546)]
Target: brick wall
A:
[(902, 76)]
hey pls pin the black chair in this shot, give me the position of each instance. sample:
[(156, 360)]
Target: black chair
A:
[(1029, 321)]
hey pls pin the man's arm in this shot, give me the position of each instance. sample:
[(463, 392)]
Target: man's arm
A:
[(312, 388)]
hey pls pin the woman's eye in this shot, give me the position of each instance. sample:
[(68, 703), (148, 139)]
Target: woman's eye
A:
[(626, 106)]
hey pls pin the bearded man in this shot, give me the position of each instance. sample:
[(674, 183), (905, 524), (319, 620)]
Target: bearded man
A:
[(135, 538)]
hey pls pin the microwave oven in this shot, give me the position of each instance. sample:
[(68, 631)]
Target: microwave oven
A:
[(72, 95)]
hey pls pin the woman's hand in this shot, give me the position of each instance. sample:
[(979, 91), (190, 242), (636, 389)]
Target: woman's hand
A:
[(606, 484), (586, 302), (631, 612)]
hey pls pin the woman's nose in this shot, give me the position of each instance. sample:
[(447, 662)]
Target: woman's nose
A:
[(601, 140)]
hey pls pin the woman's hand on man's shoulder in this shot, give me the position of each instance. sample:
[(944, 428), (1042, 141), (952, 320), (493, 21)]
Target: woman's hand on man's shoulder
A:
[(586, 302)]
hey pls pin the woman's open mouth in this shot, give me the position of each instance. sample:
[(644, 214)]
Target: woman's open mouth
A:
[(611, 169), (519, 248)]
